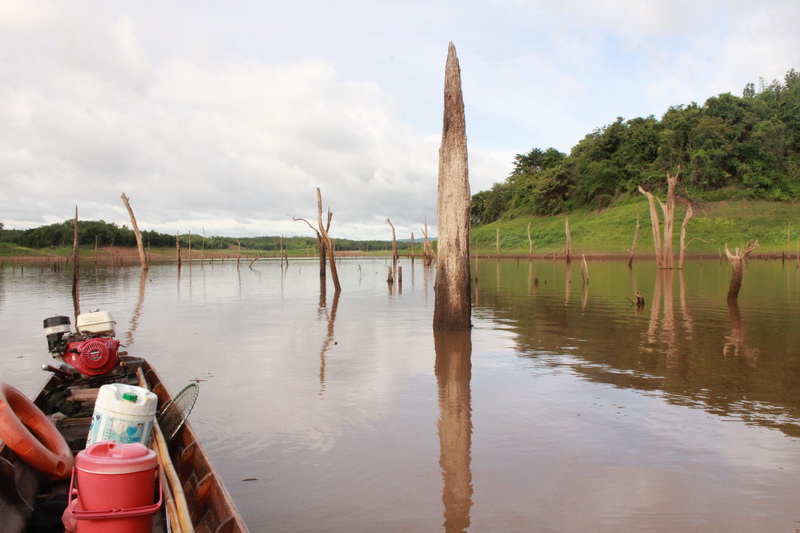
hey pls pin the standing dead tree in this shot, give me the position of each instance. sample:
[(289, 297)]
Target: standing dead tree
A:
[(530, 242), (686, 218), (737, 259), (395, 255), (569, 242), (664, 255), (453, 302), (75, 267), (136, 232), (428, 254), (328, 242), (320, 241), (635, 240), (178, 250)]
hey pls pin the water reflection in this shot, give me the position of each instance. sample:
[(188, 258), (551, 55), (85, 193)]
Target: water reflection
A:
[(453, 374), (735, 344), (137, 311), (684, 341), (331, 318), (561, 412)]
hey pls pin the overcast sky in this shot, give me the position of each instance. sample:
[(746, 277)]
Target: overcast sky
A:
[(224, 117)]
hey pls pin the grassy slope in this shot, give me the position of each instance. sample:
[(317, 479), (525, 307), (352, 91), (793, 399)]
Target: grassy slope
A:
[(612, 230), (607, 231)]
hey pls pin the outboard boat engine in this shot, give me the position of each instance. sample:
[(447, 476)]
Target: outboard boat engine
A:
[(92, 350)]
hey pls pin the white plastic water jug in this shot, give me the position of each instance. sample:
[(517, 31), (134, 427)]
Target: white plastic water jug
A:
[(124, 414)]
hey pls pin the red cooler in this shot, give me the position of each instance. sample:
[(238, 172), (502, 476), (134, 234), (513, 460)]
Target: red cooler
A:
[(115, 487)]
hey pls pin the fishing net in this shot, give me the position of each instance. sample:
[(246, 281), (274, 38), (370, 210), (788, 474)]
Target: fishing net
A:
[(175, 412)]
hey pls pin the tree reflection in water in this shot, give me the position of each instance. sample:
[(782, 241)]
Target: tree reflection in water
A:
[(453, 374)]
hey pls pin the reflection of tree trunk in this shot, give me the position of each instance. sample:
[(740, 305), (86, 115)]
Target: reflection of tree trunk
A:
[(453, 374), (453, 302), (137, 312), (567, 281), (329, 337), (670, 335), (688, 323), (735, 344), (655, 310)]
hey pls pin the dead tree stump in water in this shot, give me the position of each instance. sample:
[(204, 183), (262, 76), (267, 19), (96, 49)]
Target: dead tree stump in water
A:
[(75, 267), (635, 240), (568, 250), (328, 242), (453, 303), (664, 255), (136, 232), (737, 259), (428, 254)]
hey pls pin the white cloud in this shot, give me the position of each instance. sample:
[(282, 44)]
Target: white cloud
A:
[(229, 118)]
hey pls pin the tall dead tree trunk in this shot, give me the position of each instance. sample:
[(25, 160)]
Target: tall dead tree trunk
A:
[(453, 302), (530, 242), (569, 243), (75, 267), (737, 262), (412, 247), (668, 210), (178, 250), (427, 249), (635, 240), (395, 255), (664, 255), (328, 243), (320, 242), (686, 218), (136, 232), (656, 225)]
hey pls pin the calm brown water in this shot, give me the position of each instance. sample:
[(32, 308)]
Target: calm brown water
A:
[(564, 410)]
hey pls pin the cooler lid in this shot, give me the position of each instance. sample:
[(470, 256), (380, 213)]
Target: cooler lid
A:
[(110, 457)]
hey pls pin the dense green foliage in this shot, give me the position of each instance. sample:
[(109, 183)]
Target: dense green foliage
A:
[(730, 147)]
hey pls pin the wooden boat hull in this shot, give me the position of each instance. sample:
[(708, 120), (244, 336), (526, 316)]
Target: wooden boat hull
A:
[(210, 506)]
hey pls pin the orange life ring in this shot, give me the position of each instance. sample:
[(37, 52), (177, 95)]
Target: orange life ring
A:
[(25, 429)]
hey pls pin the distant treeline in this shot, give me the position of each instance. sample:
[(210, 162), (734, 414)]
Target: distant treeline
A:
[(729, 148), (100, 233)]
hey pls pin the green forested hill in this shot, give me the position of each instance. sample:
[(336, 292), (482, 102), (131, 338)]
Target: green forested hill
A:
[(729, 148)]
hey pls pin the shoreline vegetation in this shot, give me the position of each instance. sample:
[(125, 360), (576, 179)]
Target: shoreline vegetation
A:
[(603, 234)]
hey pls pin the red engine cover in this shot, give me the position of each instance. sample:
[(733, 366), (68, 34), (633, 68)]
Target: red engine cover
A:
[(93, 357)]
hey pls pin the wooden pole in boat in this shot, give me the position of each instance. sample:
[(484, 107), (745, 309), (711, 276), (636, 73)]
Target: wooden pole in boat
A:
[(173, 481)]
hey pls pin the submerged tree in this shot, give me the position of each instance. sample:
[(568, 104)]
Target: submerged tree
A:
[(664, 255), (737, 259), (137, 233), (453, 303)]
